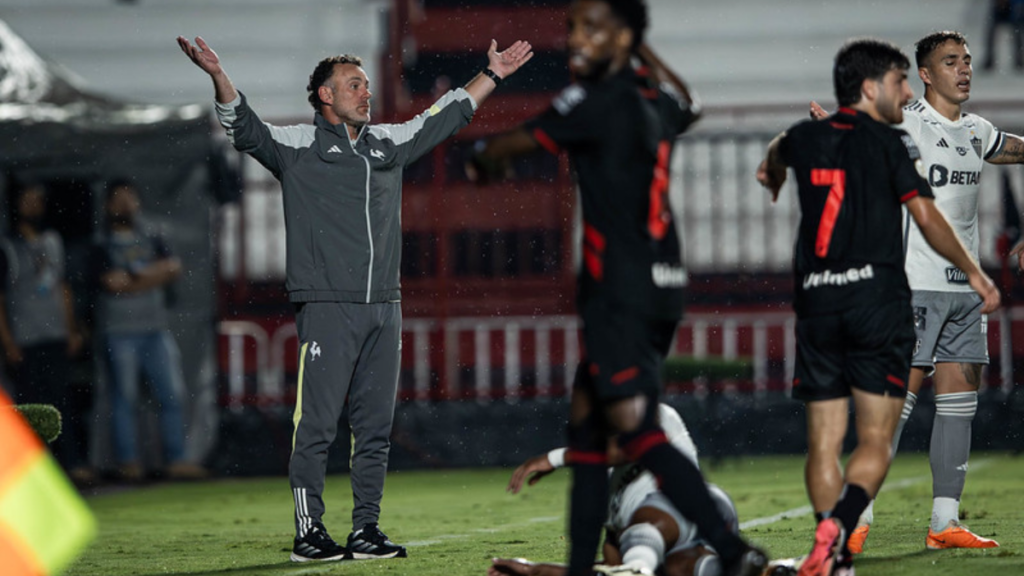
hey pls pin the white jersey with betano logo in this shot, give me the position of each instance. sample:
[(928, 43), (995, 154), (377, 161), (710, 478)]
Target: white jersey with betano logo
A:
[(953, 154)]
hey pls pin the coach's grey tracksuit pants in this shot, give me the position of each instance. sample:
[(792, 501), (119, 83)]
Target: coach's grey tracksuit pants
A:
[(346, 351)]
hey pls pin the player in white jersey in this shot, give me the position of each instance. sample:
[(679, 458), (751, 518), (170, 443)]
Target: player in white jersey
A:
[(951, 331), (644, 530)]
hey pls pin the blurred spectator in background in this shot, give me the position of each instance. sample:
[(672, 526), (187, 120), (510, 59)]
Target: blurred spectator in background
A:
[(1009, 13), (133, 269), (37, 321)]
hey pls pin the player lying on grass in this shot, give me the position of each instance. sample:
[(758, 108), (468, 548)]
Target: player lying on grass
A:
[(644, 532)]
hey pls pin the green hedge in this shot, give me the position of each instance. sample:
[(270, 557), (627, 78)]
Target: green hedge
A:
[(43, 418), (686, 369)]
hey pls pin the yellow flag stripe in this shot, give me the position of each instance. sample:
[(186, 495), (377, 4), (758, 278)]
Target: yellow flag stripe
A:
[(47, 513), (297, 415)]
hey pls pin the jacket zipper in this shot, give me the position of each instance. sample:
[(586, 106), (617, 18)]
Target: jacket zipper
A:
[(369, 229)]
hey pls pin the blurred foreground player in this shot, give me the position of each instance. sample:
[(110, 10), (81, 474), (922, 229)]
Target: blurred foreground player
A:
[(855, 332), (644, 532), (618, 123)]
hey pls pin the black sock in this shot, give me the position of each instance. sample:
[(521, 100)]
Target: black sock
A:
[(853, 501), (684, 486), (588, 506)]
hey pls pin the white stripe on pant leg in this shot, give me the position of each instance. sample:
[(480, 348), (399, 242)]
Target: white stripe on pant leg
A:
[(302, 511), (305, 510), (298, 513)]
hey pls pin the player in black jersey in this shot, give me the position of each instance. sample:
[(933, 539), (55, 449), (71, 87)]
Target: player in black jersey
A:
[(618, 123), (855, 332)]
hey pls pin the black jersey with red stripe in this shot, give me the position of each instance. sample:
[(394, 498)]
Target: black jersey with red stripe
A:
[(853, 173), (619, 134)]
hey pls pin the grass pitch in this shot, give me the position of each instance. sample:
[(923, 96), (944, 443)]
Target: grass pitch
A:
[(454, 521)]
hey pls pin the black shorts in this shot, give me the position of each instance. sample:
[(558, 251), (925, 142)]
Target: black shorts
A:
[(624, 352), (867, 347)]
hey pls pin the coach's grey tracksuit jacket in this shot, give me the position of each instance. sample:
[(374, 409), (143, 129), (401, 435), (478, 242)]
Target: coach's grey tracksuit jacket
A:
[(342, 209)]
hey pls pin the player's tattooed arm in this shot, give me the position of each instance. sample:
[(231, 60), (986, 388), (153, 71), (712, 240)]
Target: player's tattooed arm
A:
[(1010, 151)]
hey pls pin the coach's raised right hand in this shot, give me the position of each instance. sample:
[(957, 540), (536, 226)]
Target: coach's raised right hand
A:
[(201, 55), (207, 60)]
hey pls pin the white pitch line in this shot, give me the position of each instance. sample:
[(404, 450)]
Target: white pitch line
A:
[(807, 510), (791, 513), (503, 527)]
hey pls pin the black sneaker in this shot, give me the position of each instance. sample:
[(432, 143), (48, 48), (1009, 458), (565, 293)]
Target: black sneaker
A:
[(369, 542), (317, 544)]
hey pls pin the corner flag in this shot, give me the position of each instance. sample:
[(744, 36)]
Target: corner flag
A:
[(44, 523)]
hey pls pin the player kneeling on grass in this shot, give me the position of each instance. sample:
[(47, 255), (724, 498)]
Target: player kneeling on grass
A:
[(645, 533)]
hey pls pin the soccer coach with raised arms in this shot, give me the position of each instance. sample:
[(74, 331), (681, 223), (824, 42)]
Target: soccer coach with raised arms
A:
[(342, 184)]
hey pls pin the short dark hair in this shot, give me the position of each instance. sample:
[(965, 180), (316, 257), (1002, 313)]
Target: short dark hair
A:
[(323, 71), (925, 46), (633, 14), (863, 59)]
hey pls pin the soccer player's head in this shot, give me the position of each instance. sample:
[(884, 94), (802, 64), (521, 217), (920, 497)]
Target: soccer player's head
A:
[(340, 90), (603, 34), (871, 75), (944, 65)]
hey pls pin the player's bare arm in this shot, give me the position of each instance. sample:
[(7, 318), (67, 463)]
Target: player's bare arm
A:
[(207, 60), (530, 472), (940, 236), (1011, 151), (665, 75), (492, 162), (502, 64), (1018, 251), (771, 173)]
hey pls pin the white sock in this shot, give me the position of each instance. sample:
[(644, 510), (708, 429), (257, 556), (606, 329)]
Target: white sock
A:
[(642, 546), (642, 556), (944, 510), (868, 515)]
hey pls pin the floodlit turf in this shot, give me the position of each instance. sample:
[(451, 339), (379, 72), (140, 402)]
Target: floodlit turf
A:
[(454, 521)]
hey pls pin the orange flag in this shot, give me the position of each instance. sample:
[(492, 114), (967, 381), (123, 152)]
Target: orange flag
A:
[(44, 523)]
